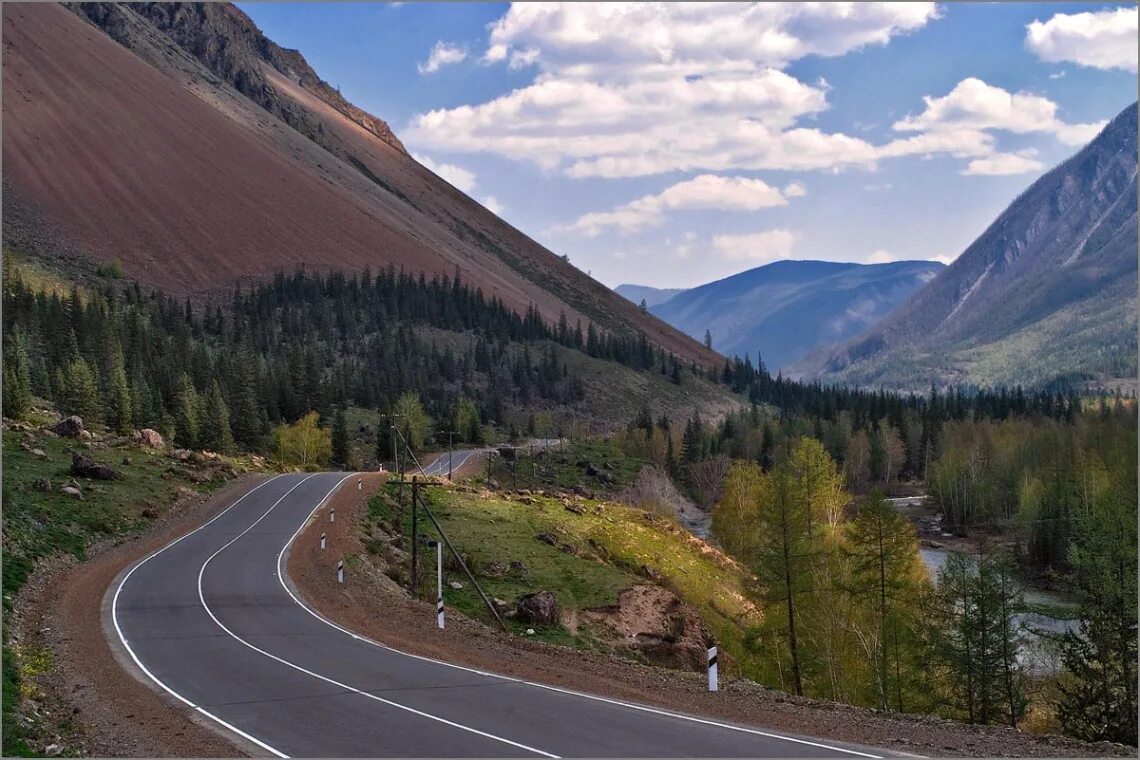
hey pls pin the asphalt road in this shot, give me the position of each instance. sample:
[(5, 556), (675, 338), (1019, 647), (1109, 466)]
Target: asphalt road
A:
[(210, 621), (459, 457)]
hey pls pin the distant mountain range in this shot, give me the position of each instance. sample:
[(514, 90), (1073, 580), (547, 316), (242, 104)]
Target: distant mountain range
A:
[(1048, 290), (651, 296), (786, 309)]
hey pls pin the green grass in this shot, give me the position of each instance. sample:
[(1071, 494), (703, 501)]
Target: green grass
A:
[(564, 466), (38, 524), (596, 555)]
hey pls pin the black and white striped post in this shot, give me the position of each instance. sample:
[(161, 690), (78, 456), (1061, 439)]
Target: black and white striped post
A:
[(332, 515), (359, 484), (712, 668), (324, 538), (438, 582), (340, 571)]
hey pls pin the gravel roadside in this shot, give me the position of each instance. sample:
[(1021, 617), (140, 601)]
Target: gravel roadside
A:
[(94, 706), (373, 608)]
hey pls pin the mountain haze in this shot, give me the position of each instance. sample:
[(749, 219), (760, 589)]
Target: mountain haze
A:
[(787, 308), (1048, 289), (180, 141)]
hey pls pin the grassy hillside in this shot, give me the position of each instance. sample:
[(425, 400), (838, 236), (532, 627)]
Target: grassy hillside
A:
[(40, 523), (585, 551)]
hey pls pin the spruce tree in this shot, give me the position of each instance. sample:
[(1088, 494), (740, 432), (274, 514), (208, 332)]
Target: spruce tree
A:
[(80, 392), (17, 382), (215, 433), (186, 413), (119, 411)]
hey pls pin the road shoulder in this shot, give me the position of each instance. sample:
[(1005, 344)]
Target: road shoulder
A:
[(101, 705)]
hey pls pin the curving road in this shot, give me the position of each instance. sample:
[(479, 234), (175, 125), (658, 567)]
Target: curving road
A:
[(211, 621)]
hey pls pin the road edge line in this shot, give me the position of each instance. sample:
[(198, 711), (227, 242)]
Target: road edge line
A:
[(134, 657)]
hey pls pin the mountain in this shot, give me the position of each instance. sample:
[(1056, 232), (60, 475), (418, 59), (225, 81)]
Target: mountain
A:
[(1048, 290), (651, 296), (787, 308), (178, 140)]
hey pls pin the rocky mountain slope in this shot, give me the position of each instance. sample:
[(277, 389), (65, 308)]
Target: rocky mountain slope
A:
[(1048, 289), (787, 308), (180, 141)]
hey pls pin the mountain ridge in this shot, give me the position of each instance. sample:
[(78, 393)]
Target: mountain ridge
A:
[(1066, 245), (787, 308), (121, 144)]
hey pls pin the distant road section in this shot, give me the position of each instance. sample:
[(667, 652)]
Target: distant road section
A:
[(211, 622)]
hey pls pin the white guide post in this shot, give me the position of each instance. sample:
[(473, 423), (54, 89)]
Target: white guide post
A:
[(324, 538), (332, 515), (340, 571), (712, 669), (439, 583)]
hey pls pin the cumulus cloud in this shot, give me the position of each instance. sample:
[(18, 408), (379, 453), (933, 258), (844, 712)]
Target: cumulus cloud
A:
[(494, 205), (707, 191), (1004, 163), (458, 176), (1104, 39), (795, 190), (443, 54), (974, 106), (639, 89), (756, 248)]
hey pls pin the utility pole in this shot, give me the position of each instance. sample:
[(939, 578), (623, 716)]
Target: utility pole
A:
[(450, 447)]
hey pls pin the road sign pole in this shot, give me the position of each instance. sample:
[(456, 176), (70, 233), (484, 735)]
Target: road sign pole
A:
[(712, 669)]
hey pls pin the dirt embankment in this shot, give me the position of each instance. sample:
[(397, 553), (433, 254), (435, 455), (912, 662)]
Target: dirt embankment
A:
[(88, 699), (373, 607)]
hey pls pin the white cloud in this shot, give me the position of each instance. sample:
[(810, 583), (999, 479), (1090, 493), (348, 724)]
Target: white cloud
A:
[(640, 89), (458, 176), (880, 257), (707, 191), (1104, 39), (442, 54), (795, 190), (1004, 163), (756, 247), (494, 205), (963, 115), (1058, 75)]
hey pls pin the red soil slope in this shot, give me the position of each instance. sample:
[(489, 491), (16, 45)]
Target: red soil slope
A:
[(146, 156)]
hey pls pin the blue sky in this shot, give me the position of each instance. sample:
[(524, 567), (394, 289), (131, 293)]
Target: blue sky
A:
[(674, 145)]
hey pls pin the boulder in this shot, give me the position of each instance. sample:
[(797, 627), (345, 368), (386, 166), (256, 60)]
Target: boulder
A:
[(72, 491), (548, 538), (42, 484), (150, 438), (68, 427), (85, 467), (456, 585), (496, 568), (182, 455), (539, 608)]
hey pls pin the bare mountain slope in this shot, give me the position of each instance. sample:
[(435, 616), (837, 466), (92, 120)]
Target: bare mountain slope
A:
[(1048, 289), (197, 153)]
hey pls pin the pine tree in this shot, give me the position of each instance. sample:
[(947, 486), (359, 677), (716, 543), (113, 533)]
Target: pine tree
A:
[(80, 392), (186, 413), (119, 411), (1098, 690), (215, 433), (341, 453), (17, 381)]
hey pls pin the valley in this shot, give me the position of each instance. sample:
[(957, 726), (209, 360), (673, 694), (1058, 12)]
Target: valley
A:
[(307, 451)]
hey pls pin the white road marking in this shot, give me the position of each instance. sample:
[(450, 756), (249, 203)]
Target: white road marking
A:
[(571, 692), (138, 662), (202, 599)]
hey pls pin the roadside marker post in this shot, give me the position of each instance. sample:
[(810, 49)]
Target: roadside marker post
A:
[(332, 515), (324, 537), (712, 669), (340, 571), (359, 484), (438, 581)]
